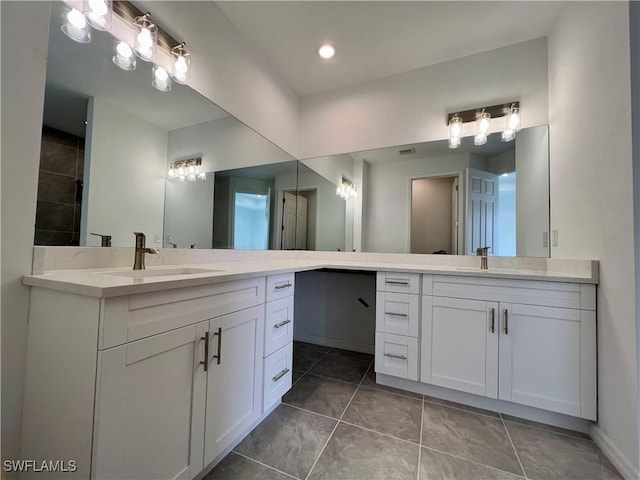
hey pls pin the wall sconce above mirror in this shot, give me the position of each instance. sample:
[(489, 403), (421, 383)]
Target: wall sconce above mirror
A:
[(482, 118)]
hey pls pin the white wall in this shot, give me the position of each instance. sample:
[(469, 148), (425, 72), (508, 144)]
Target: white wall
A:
[(388, 199), (634, 20), (333, 167), (229, 71), (532, 192), (126, 170), (412, 107), (223, 144), (431, 212), (591, 191), (188, 213), (25, 29)]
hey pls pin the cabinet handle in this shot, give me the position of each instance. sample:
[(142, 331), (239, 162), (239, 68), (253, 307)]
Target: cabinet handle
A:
[(280, 375), (396, 314), (493, 320), (280, 287), (219, 355), (206, 351), (396, 282), (401, 357), (506, 321), (282, 324)]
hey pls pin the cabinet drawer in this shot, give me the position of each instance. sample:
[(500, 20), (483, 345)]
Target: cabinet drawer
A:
[(129, 318), (397, 355), (398, 282), (277, 375), (397, 313), (280, 286), (278, 325)]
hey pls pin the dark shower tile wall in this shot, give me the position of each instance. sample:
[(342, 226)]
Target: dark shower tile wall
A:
[(59, 188)]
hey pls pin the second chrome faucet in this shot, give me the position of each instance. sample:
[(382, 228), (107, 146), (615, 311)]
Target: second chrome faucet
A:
[(138, 261)]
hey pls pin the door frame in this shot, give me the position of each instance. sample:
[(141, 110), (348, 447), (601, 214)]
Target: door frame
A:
[(459, 174)]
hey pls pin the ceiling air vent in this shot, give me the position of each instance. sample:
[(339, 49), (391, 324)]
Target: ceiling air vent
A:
[(407, 151)]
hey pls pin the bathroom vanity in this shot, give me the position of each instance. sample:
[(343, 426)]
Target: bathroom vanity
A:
[(160, 373)]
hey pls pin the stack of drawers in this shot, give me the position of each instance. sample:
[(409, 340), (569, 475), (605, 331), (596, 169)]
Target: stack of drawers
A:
[(278, 338), (397, 324)]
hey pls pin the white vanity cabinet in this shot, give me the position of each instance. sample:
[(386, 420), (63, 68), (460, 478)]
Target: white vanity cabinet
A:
[(147, 386), (397, 324), (528, 342)]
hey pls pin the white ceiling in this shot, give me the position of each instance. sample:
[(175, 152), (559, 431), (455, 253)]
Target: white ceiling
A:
[(378, 39)]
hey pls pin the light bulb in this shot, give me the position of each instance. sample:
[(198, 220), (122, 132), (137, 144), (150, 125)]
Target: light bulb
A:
[(124, 57), (508, 135), (124, 50), (76, 19), (75, 26), (145, 44), (454, 142), (145, 40), (192, 169), (192, 177), (455, 131), (480, 139), (181, 171), (99, 7), (161, 80), (172, 172), (326, 51), (98, 13), (181, 65), (483, 125), (202, 176)]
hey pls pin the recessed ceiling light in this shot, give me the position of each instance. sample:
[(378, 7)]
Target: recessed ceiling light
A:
[(326, 51)]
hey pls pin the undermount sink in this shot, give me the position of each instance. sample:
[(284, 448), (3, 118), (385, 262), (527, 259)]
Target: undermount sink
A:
[(165, 272)]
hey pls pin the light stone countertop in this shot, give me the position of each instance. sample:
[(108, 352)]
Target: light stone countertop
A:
[(107, 282)]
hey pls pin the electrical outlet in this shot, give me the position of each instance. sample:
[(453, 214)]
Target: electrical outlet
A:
[(554, 237)]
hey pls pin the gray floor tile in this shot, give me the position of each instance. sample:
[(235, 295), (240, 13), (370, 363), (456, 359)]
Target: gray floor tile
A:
[(370, 381), (469, 408), (289, 440), (544, 426), (236, 467), (297, 375), (386, 413), (304, 359), (341, 368), (547, 455), (353, 453), (468, 435), (439, 466), (321, 395), (351, 353)]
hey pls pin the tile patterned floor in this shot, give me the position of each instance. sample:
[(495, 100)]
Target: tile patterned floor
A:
[(337, 423)]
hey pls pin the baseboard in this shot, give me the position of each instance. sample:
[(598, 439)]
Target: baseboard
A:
[(335, 343), (613, 453)]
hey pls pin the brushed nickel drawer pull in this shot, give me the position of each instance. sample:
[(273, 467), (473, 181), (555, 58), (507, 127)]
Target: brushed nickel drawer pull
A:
[(219, 355), (396, 314), (396, 282), (493, 320), (206, 351), (506, 321), (280, 375), (280, 287), (401, 357), (282, 324)]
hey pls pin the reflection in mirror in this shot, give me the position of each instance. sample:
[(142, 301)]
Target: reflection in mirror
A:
[(107, 175), (427, 198)]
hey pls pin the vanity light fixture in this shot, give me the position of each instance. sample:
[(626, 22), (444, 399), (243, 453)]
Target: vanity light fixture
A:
[(123, 56), (75, 26), (161, 79), (455, 131), (347, 190), (484, 122), (98, 13), (482, 116), (326, 51), (146, 42), (186, 170), (181, 63)]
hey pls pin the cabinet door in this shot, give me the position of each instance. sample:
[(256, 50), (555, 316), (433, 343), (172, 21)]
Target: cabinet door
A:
[(460, 345), (234, 383), (150, 407), (547, 358)]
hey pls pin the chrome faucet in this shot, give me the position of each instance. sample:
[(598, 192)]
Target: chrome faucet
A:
[(138, 261), (483, 252)]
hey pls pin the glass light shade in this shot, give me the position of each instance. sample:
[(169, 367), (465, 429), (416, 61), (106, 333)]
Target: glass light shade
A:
[(146, 42), (98, 13), (202, 176), (75, 26), (161, 79), (123, 56), (455, 131), (480, 139), (181, 64), (484, 122), (508, 135), (513, 119)]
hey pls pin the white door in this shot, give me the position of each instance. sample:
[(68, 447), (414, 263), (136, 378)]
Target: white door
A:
[(455, 218), (301, 223), (150, 407), (540, 357), (234, 382), (482, 210), (460, 344), (289, 215)]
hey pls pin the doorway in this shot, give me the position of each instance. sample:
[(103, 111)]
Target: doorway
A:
[(298, 220), (435, 215), (251, 221)]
